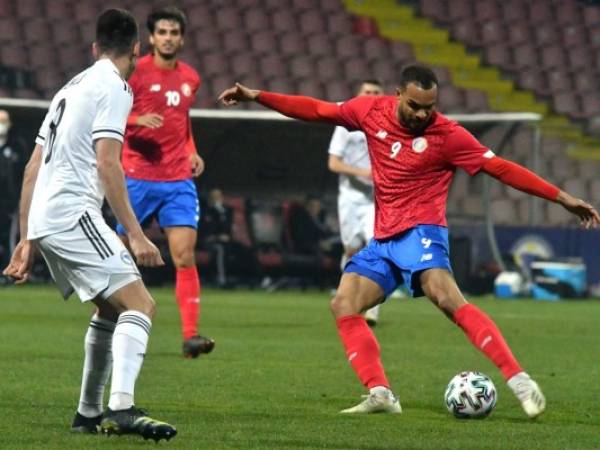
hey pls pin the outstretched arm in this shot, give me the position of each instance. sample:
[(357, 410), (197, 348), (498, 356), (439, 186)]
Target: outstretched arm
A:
[(295, 106), (520, 178)]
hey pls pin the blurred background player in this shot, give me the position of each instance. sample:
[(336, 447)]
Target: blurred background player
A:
[(349, 156), (74, 165), (160, 159), (12, 163), (414, 154)]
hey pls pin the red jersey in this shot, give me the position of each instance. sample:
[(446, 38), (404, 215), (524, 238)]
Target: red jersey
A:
[(411, 174), (160, 154)]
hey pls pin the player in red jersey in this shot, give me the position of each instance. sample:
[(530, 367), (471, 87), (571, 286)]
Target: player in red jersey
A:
[(414, 152), (160, 159)]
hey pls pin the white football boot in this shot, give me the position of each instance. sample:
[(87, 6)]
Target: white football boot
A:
[(372, 315), (379, 400), (529, 394)]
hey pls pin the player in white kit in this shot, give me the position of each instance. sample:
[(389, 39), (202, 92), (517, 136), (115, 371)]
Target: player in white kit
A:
[(75, 164), (349, 156)]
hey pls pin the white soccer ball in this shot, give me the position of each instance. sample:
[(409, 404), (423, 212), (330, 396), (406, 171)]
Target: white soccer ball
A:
[(470, 395)]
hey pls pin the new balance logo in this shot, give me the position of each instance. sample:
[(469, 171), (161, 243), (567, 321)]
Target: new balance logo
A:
[(381, 134), (155, 88), (352, 356), (427, 257)]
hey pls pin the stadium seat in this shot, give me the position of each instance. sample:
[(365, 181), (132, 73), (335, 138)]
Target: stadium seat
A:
[(27, 8), (283, 21), (272, 66), (291, 44), (35, 30), (567, 13), (553, 56), (262, 42), (14, 56), (214, 64), (356, 69), (86, 11), (559, 80), (525, 55), (435, 9), (459, 9), (364, 26), (534, 80), (228, 20), (347, 46), (375, 49), (301, 67), (451, 100), (476, 101), (234, 41), (320, 45), (283, 85), (498, 55), (487, 11), (465, 32), (539, 12), (65, 33), (311, 88), (204, 41), (255, 20), (579, 58), (573, 36), (546, 34), (337, 91), (472, 205), (401, 52), (243, 64), (384, 71), (591, 16), (493, 33), (513, 11), (311, 22), (327, 69), (520, 33)]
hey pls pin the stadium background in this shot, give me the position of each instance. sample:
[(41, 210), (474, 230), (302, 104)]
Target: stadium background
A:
[(490, 56), (278, 376)]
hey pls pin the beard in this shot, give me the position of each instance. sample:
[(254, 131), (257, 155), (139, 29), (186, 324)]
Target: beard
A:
[(167, 56)]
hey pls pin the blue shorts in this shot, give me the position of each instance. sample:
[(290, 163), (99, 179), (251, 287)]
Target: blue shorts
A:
[(173, 203), (401, 259)]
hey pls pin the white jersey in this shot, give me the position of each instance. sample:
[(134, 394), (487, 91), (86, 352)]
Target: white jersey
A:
[(93, 105), (351, 147)]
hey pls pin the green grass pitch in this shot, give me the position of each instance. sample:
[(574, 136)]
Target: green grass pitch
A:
[(278, 376)]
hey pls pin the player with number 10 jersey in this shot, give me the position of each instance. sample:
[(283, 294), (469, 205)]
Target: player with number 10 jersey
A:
[(160, 159)]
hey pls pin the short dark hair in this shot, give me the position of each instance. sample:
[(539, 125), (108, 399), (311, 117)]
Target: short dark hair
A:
[(168, 13), (116, 32), (374, 81), (418, 74)]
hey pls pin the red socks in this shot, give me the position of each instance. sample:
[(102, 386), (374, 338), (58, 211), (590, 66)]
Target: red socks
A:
[(187, 292), (486, 336), (362, 350)]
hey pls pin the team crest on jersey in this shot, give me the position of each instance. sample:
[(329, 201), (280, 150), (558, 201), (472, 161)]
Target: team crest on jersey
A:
[(155, 88), (419, 145), (186, 89), (126, 257)]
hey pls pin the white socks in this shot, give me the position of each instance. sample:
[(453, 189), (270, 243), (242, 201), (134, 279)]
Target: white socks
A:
[(128, 348), (96, 366)]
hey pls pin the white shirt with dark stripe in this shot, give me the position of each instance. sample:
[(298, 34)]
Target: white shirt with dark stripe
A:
[(93, 105)]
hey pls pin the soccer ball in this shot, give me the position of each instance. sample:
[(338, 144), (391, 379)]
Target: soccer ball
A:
[(470, 395)]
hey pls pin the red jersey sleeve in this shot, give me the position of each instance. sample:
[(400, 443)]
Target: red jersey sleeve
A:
[(461, 149), (355, 110)]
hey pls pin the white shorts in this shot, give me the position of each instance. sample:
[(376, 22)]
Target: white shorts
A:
[(357, 222), (88, 259)]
